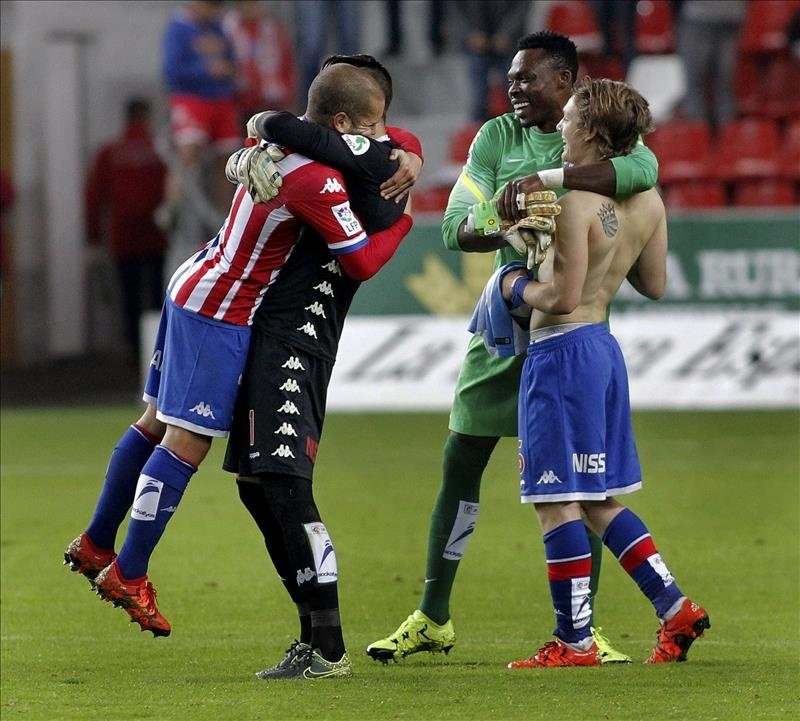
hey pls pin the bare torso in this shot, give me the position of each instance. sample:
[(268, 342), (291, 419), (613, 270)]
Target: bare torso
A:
[(598, 243)]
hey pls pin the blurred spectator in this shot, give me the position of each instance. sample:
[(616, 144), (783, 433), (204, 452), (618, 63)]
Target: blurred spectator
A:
[(266, 78), (708, 35), (313, 18), (492, 28), (793, 35), (199, 70), (395, 33), (617, 22), (7, 198), (124, 187)]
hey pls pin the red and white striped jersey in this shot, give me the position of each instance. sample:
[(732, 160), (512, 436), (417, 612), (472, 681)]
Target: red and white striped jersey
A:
[(227, 278)]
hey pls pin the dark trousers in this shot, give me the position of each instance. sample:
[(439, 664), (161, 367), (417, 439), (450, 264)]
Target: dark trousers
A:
[(142, 284)]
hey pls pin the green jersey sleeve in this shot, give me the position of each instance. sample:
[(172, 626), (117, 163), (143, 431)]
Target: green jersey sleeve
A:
[(477, 182), (637, 171)]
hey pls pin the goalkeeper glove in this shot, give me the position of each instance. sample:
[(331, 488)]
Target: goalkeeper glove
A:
[(483, 218), (255, 169), (532, 237)]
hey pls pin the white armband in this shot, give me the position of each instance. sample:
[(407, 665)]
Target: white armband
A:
[(553, 178)]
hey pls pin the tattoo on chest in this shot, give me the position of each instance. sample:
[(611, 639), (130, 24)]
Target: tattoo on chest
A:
[(608, 218)]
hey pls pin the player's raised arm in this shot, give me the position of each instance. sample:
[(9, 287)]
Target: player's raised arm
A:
[(624, 175)]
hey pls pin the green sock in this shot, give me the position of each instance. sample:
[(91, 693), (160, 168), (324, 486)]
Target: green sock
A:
[(596, 544), (452, 523)]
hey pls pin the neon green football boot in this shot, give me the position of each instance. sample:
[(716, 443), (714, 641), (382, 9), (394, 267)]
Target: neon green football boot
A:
[(417, 633), (606, 652)]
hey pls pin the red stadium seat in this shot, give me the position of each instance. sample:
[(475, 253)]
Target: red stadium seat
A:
[(683, 149), (458, 145), (747, 148), (765, 23), (655, 27), (790, 151), (782, 87), (695, 194), (576, 19), (747, 87), (765, 193)]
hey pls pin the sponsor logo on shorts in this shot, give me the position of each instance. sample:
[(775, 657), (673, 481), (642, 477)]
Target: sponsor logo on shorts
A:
[(316, 308), (203, 410), (325, 288), (155, 361), (283, 451), (548, 478), (254, 455), (332, 266), (286, 429), (293, 364), (589, 462), (308, 329), (290, 408)]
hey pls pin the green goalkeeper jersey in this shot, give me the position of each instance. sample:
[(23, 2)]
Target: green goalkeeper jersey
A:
[(485, 401)]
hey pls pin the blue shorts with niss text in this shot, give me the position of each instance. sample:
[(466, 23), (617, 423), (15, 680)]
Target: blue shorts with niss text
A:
[(575, 435), (195, 371)]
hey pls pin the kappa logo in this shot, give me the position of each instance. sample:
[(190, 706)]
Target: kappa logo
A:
[(293, 364), (332, 185), (283, 451), (290, 386), (286, 429), (548, 478), (325, 288), (290, 408), (316, 308), (332, 266), (203, 410), (303, 576), (308, 329)]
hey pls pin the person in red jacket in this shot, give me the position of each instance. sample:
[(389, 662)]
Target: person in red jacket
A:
[(124, 187)]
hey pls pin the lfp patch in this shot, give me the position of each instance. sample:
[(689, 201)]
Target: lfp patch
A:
[(345, 217)]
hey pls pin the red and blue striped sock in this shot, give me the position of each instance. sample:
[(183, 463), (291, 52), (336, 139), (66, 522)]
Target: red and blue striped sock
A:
[(629, 540), (161, 485), (126, 462), (569, 566)]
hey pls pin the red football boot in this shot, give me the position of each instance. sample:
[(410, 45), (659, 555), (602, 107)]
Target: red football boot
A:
[(676, 635), (557, 653), (137, 598), (82, 556)]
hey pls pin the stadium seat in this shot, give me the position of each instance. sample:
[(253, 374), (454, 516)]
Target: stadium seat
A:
[(431, 200), (747, 148), (459, 142), (765, 23), (747, 85), (700, 194), (655, 27), (782, 87), (790, 151), (576, 19), (662, 80), (765, 193), (683, 149)]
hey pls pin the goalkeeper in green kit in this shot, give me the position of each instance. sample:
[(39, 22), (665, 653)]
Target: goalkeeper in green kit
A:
[(512, 159)]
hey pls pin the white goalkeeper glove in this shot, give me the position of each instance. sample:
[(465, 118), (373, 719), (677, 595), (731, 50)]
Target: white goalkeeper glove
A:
[(255, 169), (251, 125), (532, 237)]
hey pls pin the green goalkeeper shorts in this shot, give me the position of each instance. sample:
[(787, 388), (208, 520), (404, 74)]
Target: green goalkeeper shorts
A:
[(487, 390)]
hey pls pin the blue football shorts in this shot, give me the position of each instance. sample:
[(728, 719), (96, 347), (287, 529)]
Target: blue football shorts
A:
[(195, 370), (576, 439)]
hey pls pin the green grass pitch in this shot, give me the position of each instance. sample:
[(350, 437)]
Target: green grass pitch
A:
[(720, 497)]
